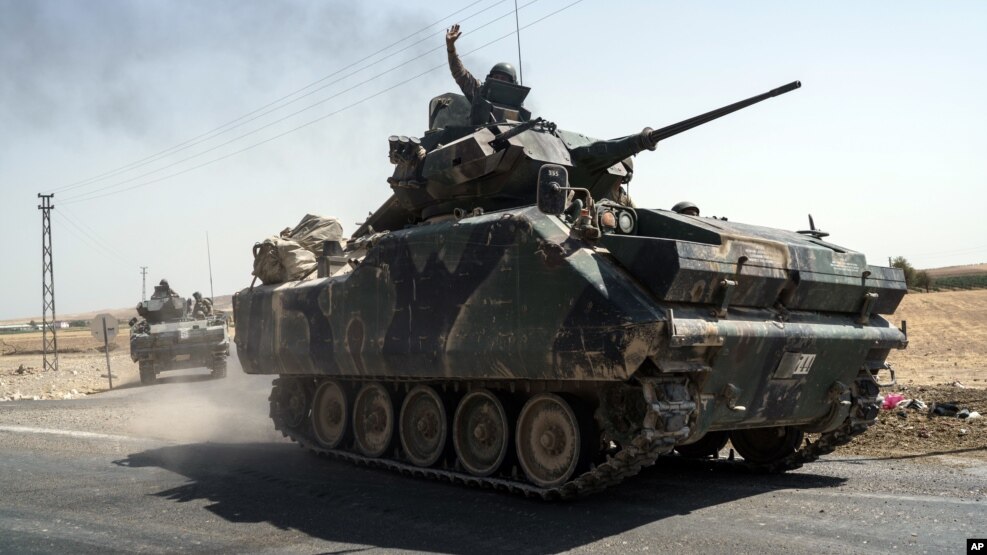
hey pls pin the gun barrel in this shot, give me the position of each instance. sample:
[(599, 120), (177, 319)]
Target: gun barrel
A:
[(676, 128)]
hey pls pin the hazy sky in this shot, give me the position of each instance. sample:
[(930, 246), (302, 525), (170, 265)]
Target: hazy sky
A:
[(884, 144)]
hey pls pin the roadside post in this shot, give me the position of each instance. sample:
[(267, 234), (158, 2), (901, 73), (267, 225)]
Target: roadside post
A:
[(104, 326)]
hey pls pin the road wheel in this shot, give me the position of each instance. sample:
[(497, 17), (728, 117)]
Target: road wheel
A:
[(548, 440), (481, 432), (219, 367), (373, 420), (148, 376), (423, 426), (708, 446), (330, 414), (289, 402), (766, 445)]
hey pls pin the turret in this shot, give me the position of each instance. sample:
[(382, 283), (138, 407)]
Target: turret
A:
[(464, 167), (162, 309)]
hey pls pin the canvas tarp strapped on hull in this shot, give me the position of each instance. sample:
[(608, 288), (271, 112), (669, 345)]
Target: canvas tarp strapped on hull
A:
[(314, 230), (278, 260)]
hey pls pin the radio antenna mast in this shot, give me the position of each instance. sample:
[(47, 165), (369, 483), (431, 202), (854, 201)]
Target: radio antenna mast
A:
[(209, 256), (517, 26)]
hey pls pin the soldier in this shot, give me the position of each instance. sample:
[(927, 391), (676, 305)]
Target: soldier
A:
[(202, 308), (162, 291), (686, 208), (471, 85), (139, 326)]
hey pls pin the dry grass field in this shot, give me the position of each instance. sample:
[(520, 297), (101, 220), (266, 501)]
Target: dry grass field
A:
[(950, 271), (947, 338)]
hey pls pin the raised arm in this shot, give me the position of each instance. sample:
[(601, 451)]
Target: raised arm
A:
[(469, 84)]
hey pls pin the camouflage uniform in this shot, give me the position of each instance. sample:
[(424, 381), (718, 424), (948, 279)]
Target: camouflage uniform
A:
[(163, 292), (202, 308), (470, 85)]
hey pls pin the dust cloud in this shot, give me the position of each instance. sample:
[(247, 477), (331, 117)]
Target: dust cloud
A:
[(191, 407)]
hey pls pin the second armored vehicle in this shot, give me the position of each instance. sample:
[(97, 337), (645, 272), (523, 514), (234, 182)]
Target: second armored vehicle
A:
[(170, 336)]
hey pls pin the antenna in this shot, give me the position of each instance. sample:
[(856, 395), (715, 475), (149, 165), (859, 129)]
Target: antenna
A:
[(143, 283), (209, 256), (813, 230), (517, 26)]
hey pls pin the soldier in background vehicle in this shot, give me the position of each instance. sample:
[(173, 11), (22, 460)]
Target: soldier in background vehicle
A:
[(141, 325), (202, 307), (686, 208), (162, 290)]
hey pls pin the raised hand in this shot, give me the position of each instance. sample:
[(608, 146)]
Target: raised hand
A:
[(452, 34)]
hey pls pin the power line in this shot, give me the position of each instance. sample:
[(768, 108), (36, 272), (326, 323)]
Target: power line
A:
[(82, 236), (86, 238), (92, 196), (238, 122), (952, 252), (80, 222)]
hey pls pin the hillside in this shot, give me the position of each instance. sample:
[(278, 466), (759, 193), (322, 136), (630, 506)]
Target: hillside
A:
[(951, 271), (221, 302)]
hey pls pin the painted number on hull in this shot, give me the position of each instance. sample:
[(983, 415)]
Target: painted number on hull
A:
[(794, 365), (803, 364)]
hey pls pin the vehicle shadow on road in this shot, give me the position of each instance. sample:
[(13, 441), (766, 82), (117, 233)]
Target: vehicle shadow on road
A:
[(185, 378), (293, 490), (925, 455)]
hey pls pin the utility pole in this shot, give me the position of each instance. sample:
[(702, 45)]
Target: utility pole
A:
[(49, 346), (143, 283)]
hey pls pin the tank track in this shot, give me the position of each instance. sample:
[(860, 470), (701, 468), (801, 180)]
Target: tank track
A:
[(671, 410)]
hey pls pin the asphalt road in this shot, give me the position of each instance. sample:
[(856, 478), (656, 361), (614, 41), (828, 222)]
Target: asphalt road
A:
[(193, 465)]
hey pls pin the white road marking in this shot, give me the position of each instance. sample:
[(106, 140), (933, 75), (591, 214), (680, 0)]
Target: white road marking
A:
[(70, 433), (895, 497)]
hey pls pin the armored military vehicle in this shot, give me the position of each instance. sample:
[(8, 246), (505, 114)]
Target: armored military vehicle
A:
[(168, 337), (509, 319)]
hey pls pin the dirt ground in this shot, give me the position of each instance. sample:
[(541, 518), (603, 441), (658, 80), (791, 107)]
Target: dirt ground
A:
[(947, 345), (916, 433), (947, 338), (81, 366)]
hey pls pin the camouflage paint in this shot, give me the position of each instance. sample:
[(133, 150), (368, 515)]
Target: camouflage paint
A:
[(516, 295)]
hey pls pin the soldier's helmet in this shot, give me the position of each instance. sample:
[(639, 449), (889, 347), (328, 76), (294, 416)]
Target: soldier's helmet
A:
[(503, 72), (687, 208), (197, 295), (164, 283)]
